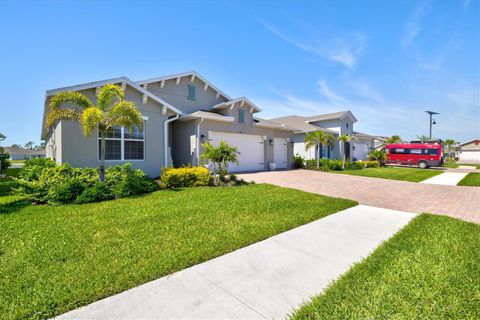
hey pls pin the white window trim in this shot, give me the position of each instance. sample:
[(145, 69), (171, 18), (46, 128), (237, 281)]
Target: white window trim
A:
[(122, 140)]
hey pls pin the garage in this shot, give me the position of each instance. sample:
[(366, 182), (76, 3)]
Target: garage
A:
[(251, 148), (280, 152)]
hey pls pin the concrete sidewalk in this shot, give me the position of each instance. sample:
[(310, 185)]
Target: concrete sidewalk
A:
[(262, 281), (446, 178)]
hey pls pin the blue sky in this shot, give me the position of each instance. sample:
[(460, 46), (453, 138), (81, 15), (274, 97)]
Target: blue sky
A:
[(387, 61)]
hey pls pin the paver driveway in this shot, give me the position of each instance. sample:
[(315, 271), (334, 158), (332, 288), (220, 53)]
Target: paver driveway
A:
[(455, 201)]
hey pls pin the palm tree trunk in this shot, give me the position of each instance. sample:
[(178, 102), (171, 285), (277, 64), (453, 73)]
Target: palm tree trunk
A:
[(102, 157), (318, 156), (344, 155)]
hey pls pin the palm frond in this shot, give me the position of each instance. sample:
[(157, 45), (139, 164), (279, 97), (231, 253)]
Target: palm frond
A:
[(71, 98), (60, 114), (125, 114), (108, 96), (91, 118)]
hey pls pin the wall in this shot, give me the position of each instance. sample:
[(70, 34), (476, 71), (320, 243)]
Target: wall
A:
[(82, 151), (177, 95)]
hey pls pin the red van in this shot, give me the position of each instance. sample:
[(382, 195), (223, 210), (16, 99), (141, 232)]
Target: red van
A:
[(422, 155)]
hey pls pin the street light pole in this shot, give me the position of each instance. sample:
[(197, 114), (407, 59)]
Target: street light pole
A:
[(431, 113)]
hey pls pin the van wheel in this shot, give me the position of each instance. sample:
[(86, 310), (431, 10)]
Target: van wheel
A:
[(422, 165)]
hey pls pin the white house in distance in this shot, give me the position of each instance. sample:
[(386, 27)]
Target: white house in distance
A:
[(336, 124), (469, 151)]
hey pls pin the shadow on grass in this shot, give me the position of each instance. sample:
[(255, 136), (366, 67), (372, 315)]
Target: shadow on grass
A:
[(13, 206)]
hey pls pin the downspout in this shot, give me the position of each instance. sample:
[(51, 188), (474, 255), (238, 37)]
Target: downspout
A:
[(165, 137), (197, 147)]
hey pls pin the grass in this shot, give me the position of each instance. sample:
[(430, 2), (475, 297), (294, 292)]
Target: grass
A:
[(54, 259), (394, 173), (429, 270), (450, 164), (471, 180), (17, 161)]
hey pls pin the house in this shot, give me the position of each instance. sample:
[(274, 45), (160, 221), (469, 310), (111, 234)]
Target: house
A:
[(469, 151), (17, 153), (181, 112), (336, 124)]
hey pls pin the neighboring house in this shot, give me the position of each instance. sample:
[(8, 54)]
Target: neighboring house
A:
[(181, 112), (338, 123), (24, 154), (361, 145), (469, 151)]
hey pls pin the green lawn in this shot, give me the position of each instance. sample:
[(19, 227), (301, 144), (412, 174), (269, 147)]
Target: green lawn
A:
[(54, 259), (472, 180), (429, 270), (395, 173)]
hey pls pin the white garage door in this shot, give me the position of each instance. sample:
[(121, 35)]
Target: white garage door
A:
[(280, 152), (251, 148), (470, 155)]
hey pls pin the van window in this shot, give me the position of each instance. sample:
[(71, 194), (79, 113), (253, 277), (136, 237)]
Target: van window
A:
[(399, 151), (430, 151), (415, 151)]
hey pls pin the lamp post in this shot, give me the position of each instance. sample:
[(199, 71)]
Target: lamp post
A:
[(432, 121)]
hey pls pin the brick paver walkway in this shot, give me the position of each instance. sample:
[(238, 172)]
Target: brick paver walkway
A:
[(454, 201)]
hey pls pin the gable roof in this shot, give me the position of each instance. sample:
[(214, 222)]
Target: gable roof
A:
[(259, 122), (467, 142), (90, 85), (331, 116), (181, 75), (230, 103), (300, 125)]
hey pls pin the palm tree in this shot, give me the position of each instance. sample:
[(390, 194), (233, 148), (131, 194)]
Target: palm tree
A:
[(220, 156), (315, 139), (423, 138), (29, 145), (329, 141), (111, 110), (393, 139), (449, 143), (344, 139)]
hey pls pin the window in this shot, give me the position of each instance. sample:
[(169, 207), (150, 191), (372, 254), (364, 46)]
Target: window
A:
[(399, 151), (415, 151), (123, 144), (241, 116), (430, 151), (191, 92)]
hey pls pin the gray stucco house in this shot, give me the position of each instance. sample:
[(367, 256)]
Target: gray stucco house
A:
[(181, 112)]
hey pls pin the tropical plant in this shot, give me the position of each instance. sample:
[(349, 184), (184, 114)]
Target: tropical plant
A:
[(316, 139), (29, 145), (393, 139), (378, 155), (4, 162), (298, 161), (329, 141), (220, 156), (423, 138), (449, 143), (111, 110), (344, 139)]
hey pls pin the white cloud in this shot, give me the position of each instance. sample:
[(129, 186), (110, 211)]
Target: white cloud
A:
[(413, 26), (364, 90), (344, 50), (334, 98)]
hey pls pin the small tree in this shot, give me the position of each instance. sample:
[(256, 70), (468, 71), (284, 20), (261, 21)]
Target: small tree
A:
[(221, 156), (393, 139), (378, 155), (423, 138), (314, 139), (344, 139), (4, 160), (111, 110), (449, 143), (29, 145)]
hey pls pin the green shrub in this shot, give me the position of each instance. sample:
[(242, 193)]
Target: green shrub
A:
[(33, 167), (378, 155), (45, 182), (4, 162), (335, 164), (98, 192), (298, 161), (372, 164), (356, 165), (65, 192), (185, 177)]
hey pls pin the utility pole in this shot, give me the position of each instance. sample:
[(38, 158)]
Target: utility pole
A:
[(432, 121)]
